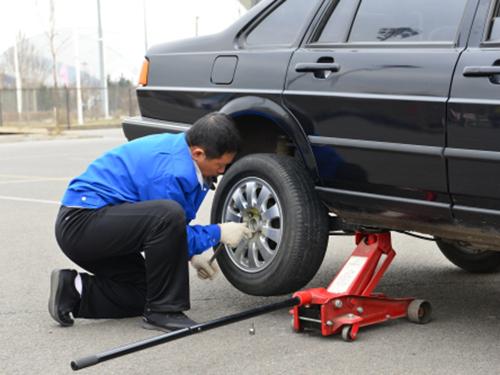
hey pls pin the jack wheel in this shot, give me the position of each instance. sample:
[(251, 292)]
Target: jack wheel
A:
[(346, 333), (419, 311)]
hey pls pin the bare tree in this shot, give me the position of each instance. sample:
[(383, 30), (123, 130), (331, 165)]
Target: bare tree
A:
[(51, 34), (2, 76), (33, 67)]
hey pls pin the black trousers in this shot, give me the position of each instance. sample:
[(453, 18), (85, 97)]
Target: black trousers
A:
[(108, 243)]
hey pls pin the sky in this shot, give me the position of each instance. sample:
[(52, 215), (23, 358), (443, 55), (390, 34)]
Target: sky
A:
[(123, 23)]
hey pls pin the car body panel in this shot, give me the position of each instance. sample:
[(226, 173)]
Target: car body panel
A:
[(380, 107), (374, 135), (473, 149)]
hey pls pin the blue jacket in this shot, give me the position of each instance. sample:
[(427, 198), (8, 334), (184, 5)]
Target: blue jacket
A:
[(149, 168)]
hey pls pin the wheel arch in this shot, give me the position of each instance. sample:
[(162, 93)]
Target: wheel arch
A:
[(267, 127)]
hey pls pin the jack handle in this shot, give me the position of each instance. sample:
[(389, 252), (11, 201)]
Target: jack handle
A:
[(94, 359)]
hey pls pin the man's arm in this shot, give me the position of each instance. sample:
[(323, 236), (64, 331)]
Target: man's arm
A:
[(202, 237)]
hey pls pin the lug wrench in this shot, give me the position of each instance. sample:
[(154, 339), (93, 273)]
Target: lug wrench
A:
[(219, 248), (217, 251)]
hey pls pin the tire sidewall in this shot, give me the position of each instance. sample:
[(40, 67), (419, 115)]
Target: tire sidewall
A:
[(268, 169), (483, 262)]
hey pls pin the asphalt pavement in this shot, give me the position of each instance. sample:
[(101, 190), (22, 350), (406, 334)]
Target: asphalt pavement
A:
[(463, 338)]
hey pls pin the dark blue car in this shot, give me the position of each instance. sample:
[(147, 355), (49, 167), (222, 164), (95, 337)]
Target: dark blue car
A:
[(354, 113)]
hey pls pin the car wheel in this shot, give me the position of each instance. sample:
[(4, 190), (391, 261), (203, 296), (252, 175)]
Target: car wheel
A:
[(468, 257), (276, 197)]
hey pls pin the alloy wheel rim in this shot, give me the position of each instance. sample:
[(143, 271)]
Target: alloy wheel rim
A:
[(253, 201)]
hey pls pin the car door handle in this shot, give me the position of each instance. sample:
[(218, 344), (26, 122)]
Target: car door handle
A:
[(316, 67), (481, 71)]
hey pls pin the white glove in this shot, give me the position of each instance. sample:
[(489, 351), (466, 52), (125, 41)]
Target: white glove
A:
[(232, 233), (204, 269)]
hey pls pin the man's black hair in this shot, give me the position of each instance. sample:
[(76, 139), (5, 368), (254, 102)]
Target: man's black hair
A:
[(216, 134)]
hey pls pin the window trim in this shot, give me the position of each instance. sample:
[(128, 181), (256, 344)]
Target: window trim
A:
[(243, 34), (240, 37), (323, 21), (383, 45), (494, 8), (346, 44)]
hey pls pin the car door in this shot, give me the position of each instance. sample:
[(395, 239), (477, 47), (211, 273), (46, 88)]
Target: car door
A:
[(264, 47), (370, 83), (473, 149)]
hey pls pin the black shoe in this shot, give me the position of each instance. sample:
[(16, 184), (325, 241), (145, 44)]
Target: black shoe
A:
[(166, 322), (64, 297)]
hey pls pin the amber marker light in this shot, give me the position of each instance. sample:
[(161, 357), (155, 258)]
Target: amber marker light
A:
[(143, 78)]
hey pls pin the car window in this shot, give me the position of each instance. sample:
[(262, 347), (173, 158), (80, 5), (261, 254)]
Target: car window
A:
[(338, 23), (283, 25), (407, 21), (494, 32)]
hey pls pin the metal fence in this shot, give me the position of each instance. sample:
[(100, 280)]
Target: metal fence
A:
[(50, 107)]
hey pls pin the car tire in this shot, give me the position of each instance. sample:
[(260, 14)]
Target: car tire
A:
[(468, 257), (275, 195)]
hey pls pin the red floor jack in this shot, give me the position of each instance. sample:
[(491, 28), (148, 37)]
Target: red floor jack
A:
[(349, 302), (346, 305)]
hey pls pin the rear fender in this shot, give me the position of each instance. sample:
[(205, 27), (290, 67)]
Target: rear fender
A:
[(271, 111)]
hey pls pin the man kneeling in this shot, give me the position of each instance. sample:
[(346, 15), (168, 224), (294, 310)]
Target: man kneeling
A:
[(139, 198)]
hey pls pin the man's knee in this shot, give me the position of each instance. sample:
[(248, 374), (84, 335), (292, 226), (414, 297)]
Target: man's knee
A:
[(170, 211)]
